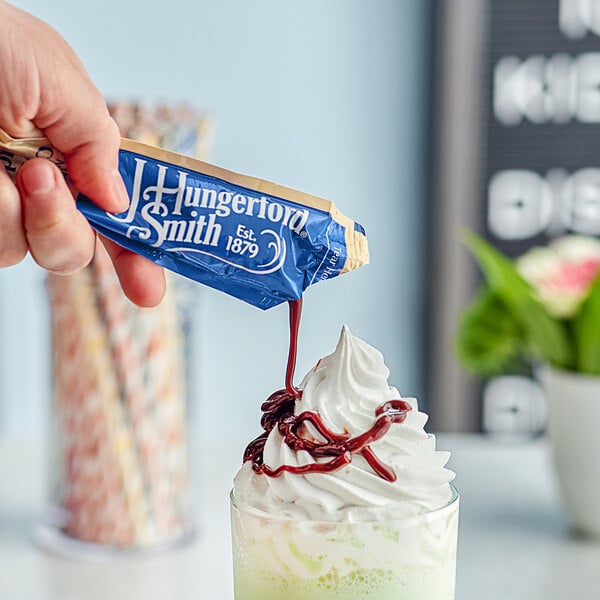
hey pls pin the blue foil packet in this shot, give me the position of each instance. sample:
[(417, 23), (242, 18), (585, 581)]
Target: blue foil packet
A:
[(258, 241)]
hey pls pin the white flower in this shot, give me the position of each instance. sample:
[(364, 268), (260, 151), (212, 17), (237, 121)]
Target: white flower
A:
[(562, 273)]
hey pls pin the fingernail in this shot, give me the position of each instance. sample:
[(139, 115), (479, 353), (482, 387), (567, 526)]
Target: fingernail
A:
[(39, 179), (120, 192)]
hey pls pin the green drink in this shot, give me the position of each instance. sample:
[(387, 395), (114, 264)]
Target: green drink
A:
[(278, 558), (344, 495)]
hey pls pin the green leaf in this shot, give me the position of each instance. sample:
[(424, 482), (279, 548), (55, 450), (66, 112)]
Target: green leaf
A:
[(547, 337), (490, 340), (586, 328)]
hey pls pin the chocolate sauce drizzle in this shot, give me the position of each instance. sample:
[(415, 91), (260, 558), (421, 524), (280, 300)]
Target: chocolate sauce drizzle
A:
[(278, 411)]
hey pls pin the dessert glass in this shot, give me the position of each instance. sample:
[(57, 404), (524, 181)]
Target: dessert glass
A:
[(409, 558)]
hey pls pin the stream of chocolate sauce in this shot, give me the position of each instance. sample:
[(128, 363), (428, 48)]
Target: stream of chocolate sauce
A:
[(278, 411)]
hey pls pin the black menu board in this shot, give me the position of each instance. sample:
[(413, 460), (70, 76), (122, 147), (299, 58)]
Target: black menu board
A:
[(543, 120), (516, 157)]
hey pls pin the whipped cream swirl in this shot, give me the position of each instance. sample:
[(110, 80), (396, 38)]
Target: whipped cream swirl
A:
[(345, 389)]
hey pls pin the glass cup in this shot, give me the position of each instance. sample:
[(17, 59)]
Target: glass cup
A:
[(119, 474), (121, 389), (394, 559)]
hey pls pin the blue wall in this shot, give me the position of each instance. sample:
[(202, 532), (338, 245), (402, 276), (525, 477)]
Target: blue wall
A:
[(323, 96)]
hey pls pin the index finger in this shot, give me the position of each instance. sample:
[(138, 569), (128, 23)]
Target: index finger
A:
[(72, 114)]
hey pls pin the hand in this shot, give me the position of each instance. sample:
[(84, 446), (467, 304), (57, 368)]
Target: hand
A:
[(44, 90)]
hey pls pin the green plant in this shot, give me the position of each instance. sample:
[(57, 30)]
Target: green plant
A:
[(543, 306)]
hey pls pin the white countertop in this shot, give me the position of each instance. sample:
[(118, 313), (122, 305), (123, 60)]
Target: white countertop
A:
[(513, 544)]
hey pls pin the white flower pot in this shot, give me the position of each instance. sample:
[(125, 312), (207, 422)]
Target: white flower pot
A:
[(574, 429)]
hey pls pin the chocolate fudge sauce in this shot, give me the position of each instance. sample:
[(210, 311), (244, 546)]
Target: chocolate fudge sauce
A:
[(338, 448)]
